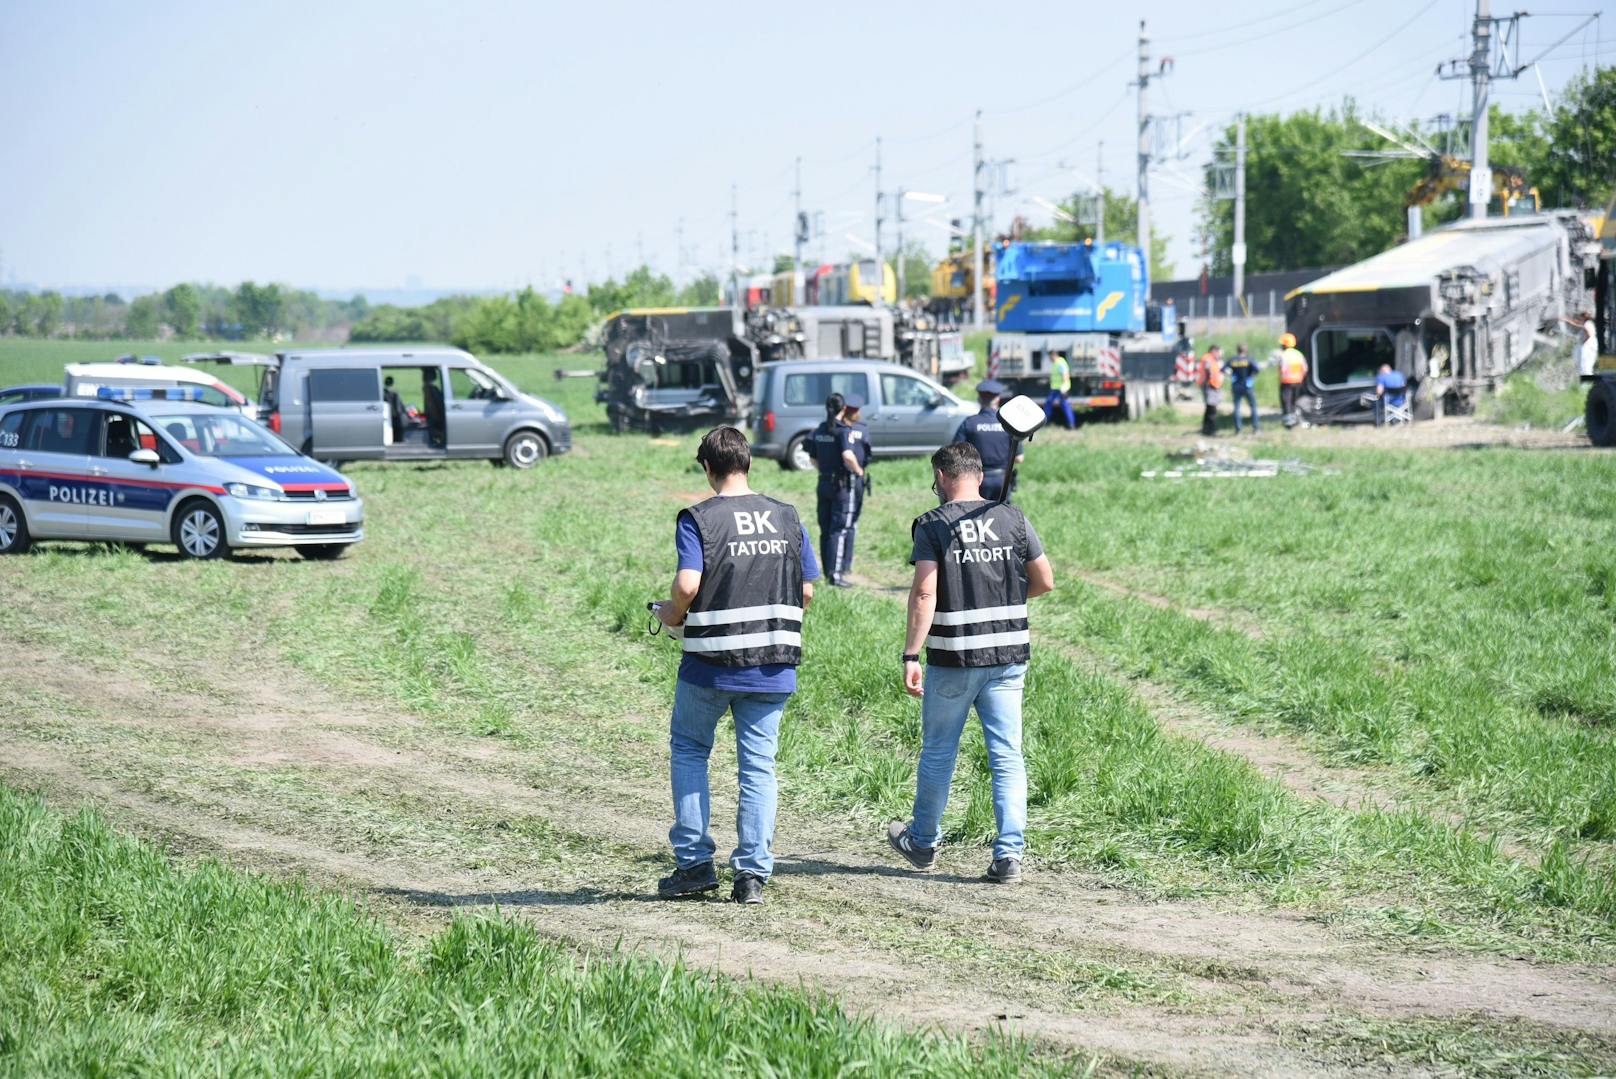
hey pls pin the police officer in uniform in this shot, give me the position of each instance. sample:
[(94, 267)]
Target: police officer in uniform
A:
[(824, 446), (847, 495), (992, 441), (977, 563), (746, 567)]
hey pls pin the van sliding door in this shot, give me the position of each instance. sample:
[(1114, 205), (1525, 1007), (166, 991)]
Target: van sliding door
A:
[(345, 411)]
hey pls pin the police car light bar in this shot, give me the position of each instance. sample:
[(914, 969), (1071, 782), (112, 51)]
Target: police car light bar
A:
[(149, 393)]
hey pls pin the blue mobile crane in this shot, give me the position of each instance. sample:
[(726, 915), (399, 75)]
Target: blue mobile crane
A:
[(1091, 304)]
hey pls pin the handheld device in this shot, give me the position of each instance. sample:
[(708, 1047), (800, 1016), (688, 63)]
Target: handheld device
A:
[(657, 626)]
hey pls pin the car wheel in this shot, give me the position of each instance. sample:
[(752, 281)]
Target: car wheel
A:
[(797, 457), (323, 552), (14, 538), (199, 531), (525, 449), (1599, 413)]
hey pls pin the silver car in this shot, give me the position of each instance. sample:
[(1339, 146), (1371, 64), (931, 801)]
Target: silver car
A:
[(907, 412), (143, 471)]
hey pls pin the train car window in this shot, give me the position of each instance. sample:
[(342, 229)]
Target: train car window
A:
[(1347, 355)]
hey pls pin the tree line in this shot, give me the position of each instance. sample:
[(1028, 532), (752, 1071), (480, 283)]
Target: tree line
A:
[(187, 310), (526, 321)]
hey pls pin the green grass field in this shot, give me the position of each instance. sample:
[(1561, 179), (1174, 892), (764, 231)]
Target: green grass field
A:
[(1428, 631)]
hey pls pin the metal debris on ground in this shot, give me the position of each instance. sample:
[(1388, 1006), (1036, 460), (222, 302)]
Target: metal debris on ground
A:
[(1210, 460)]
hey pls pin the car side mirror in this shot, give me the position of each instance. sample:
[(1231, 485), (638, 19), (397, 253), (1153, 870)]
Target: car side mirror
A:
[(936, 399), (1022, 416), (146, 457)]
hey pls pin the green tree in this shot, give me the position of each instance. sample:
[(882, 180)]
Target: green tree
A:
[(1307, 203), (182, 310), (145, 315), (47, 314), (917, 264), (704, 291), (784, 264), (1121, 225), (5, 314), (1581, 170)]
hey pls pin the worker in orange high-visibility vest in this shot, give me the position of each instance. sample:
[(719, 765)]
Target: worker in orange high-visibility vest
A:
[(1292, 373), (1210, 377)]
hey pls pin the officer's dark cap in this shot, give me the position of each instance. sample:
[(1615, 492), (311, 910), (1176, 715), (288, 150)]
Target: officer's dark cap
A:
[(853, 401), (990, 387)]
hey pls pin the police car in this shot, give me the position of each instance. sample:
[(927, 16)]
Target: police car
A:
[(156, 466)]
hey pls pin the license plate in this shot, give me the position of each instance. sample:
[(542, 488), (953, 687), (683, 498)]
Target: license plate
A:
[(325, 517)]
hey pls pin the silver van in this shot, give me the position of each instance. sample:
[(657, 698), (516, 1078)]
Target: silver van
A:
[(415, 404), (907, 412)]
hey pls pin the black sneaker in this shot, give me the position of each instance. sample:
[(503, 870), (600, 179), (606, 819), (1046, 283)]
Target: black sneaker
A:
[(748, 889), (920, 857), (691, 880), (1005, 871)]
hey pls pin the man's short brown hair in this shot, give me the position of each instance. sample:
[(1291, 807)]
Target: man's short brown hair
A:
[(957, 459), (725, 451)]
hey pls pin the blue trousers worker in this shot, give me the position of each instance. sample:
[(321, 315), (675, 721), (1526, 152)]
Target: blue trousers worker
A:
[(1248, 395), (1057, 399), (696, 712), (846, 504), (951, 693)]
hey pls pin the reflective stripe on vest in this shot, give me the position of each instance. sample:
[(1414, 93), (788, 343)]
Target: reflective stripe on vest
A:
[(981, 615)]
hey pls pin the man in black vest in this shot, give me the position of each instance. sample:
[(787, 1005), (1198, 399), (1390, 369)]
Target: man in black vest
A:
[(987, 434), (745, 570), (977, 563)]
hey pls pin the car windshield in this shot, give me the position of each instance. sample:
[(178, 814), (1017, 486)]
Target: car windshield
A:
[(222, 435)]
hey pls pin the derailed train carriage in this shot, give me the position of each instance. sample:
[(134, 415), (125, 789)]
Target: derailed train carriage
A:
[(1455, 311)]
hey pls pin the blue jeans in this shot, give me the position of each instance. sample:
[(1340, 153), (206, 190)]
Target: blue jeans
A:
[(950, 694), (696, 712), (1248, 395), (1057, 399)]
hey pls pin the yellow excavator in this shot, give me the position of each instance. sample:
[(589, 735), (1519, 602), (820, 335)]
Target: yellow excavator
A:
[(1447, 173)]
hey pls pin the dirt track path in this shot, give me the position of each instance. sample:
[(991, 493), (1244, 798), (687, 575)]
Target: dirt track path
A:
[(282, 775)]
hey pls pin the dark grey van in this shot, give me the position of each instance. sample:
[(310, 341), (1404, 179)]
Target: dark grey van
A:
[(907, 412), (414, 404)]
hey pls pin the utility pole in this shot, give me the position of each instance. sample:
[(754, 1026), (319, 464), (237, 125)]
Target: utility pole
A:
[(878, 248), (639, 248), (978, 314), (734, 246), (1144, 145), (1481, 56), (1099, 195), (797, 231), (1239, 252), (898, 210), (679, 250), (1480, 69)]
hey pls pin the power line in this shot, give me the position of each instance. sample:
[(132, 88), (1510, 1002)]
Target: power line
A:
[(1240, 25), (1057, 95), (1277, 30)]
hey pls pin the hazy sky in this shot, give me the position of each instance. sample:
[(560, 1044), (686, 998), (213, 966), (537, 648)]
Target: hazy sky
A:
[(484, 145)]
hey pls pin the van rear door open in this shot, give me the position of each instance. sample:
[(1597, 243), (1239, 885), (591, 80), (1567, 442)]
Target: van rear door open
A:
[(345, 412)]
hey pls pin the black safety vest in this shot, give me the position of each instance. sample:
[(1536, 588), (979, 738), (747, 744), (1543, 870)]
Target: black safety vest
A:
[(992, 441), (748, 610), (981, 617)]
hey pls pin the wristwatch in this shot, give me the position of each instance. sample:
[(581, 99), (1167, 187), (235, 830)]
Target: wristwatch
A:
[(911, 657)]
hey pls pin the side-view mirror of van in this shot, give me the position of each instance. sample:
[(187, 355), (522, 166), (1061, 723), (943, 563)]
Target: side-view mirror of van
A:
[(146, 457)]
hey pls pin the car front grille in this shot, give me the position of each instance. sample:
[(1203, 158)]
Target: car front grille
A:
[(313, 496), (310, 530)]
